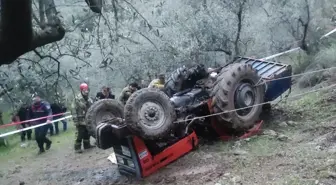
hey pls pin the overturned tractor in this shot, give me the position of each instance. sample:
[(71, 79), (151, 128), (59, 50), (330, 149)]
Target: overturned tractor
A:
[(228, 99)]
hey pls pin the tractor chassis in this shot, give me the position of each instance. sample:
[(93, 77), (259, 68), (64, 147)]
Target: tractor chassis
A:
[(138, 158)]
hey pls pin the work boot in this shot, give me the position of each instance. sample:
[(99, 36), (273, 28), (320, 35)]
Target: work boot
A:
[(78, 148), (41, 151), (78, 151), (87, 144), (48, 145)]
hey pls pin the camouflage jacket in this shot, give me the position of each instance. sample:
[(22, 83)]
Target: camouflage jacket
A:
[(79, 109), (125, 94)]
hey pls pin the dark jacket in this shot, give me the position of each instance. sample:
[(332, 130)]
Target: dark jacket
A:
[(100, 96), (23, 113), (58, 108), (42, 109)]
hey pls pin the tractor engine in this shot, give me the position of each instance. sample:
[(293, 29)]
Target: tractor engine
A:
[(190, 103)]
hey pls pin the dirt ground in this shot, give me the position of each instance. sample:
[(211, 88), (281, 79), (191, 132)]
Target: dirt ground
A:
[(296, 147)]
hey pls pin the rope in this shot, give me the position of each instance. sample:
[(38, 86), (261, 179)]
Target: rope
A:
[(234, 110), (279, 54)]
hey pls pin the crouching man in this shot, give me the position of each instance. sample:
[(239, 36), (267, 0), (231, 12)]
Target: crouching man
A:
[(79, 107)]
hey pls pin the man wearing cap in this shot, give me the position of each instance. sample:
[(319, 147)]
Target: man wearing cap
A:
[(41, 109), (158, 83), (79, 107)]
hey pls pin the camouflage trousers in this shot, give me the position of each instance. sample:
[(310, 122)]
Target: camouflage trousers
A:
[(82, 135)]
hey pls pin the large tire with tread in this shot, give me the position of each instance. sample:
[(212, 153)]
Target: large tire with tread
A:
[(235, 88), (102, 110), (150, 114)]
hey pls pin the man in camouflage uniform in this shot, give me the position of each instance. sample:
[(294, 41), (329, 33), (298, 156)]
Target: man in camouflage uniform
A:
[(127, 92), (80, 106)]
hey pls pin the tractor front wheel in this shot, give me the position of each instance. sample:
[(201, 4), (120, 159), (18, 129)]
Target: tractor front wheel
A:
[(150, 114), (102, 110)]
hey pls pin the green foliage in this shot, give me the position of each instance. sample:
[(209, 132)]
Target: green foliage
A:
[(324, 59), (135, 40), (299, 61), (14, 151), (314, 106)]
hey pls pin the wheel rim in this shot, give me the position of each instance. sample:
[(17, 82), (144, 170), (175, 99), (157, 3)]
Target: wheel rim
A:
[(245, 96), (152, 115)]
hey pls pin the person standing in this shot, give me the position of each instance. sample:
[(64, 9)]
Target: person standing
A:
[(41, 109), (22, 115), (105, 94), (1, 119), (58, 108), (127, 92), (110, 95), (80, 106)]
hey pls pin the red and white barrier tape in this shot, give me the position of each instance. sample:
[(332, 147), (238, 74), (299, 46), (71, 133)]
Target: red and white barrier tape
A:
[(35, 126), (30, 120)]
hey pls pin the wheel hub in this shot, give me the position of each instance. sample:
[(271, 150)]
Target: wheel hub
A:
[(152, 115), (244, 97)]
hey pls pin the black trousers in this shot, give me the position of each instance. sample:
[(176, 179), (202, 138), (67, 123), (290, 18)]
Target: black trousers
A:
[(56, 124), (27, 133), (82, 135), (41, 136)]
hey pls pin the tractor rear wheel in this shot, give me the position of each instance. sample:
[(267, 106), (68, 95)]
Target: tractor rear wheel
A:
[(150, 114), (102, 110), (235, 88)]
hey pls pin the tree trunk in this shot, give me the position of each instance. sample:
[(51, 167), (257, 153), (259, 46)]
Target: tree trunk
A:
[(17, 36)]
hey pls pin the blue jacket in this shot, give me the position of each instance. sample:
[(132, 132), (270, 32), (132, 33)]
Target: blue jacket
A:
[(41, 110)]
